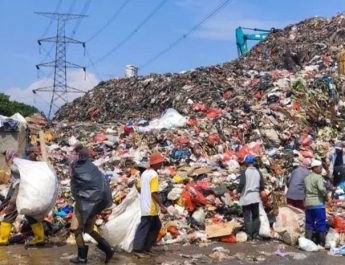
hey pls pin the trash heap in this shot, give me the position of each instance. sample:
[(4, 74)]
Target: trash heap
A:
[(313, 42), (282, 102)]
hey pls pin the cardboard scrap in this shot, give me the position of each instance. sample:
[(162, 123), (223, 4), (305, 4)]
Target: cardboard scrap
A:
[(222, 229)]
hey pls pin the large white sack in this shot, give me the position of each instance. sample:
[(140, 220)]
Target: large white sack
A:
[(289, 225), (265, 229), (170, 119), (38, 188), (124, 220)]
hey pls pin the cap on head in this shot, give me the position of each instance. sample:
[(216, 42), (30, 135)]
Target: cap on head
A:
[(156, 158), (316, 163), (249, 159)]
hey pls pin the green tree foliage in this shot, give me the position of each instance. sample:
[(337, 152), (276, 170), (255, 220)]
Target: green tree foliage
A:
[(8, 107)]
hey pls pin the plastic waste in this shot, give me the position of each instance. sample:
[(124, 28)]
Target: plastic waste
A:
[(121, 228), (332, 237), (307, 245), (265, 230), (199, 216), (170, 119), (337, 251), (38, 188), (241, 237), (175, 194)]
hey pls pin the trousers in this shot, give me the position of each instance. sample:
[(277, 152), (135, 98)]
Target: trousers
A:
[(147, 233), (315, 219)]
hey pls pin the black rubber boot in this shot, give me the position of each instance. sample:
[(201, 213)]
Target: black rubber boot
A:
[(322, 238), (256, 229), (106, 248), (82, 256), (248, 227), (309, 234)]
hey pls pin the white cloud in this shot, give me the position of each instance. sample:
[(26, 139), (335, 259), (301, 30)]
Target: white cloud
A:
[(41, 100)]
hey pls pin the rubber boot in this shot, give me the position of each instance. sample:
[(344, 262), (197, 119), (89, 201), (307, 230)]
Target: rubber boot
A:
[(256, 229), (38, 240), (82, 256), (5, 231), (322, 238), (106, 248), (309, 234), (248, 227)]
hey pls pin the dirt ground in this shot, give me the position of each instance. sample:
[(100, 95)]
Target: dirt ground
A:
[(237, 254)]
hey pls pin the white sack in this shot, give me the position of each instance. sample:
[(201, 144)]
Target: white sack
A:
[(38, 188), (265, 229), (290, 224), (120, 230)]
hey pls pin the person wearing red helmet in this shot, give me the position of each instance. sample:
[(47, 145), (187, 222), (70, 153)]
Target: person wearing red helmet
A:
[(150, 225)]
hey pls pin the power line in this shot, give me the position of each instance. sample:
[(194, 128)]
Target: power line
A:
[(70, 10), (92, 63), (109, 21), (51, 21), (185, 35), (82, 12), (131, 34)]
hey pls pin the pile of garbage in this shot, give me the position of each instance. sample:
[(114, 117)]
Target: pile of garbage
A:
[(282, 102), (314, 43)]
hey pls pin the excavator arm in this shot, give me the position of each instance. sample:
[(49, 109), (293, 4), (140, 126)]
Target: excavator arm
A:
[(242, 38)]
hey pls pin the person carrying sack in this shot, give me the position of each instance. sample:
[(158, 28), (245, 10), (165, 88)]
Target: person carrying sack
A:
[(92, 195)]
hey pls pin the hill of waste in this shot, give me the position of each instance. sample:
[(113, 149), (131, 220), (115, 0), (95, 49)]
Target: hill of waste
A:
[(282, 102), (313, 43)]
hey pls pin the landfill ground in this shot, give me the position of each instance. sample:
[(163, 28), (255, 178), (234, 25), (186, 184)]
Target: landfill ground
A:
[(260, 252)]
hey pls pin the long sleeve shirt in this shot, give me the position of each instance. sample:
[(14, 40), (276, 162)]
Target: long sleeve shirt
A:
[(251, 183), (315, 190), (296, 185)]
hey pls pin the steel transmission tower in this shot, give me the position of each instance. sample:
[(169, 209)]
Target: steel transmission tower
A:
[(60, 88)]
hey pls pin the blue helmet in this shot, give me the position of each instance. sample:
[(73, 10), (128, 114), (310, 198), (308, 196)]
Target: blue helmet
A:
[(249, 159)]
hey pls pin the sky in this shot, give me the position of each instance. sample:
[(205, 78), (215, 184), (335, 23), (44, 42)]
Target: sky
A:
[(121, 32)]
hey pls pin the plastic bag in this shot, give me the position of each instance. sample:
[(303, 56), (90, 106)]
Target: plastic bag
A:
[(228, 239), (38, 188), (187, 201), (339, 224), (170, 119), (332, 236), (241, 237), (124, 220), (307, 245), (199, 216), (265, 230)]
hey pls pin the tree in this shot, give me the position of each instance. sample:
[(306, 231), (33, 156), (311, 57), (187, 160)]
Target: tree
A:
[(8, 107)]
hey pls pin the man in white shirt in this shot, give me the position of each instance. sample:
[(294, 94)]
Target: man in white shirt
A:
[(150, 225)]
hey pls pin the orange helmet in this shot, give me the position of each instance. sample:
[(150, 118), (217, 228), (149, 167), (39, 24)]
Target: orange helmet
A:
[(156, 158)]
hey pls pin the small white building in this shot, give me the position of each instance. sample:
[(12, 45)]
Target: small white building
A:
[(131, 71)]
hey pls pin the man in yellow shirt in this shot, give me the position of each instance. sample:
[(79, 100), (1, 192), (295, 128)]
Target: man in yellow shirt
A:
[(150, 225)]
